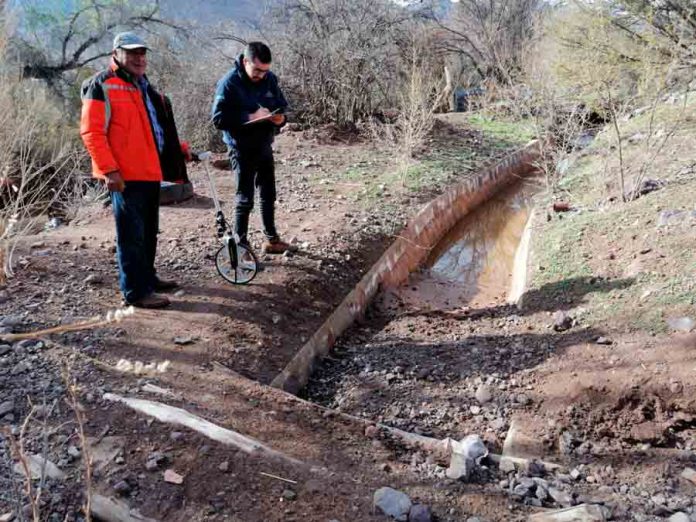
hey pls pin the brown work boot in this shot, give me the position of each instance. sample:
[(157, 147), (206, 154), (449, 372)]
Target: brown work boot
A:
[(163, 285), (151, 301), (275, 246)]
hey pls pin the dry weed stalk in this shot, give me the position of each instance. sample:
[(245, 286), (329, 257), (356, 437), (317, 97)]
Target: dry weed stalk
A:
[(71, 386), (39, 160), (113, 316), (19, 454), (425, 90), (422, 96)]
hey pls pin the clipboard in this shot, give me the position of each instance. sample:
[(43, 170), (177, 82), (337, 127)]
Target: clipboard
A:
[(262, 118)]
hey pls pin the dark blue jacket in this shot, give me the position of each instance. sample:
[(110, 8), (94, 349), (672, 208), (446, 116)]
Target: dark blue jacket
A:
[(236, 97)]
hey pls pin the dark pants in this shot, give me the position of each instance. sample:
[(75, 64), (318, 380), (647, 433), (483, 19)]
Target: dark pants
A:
[(254, 168), (136, 211)]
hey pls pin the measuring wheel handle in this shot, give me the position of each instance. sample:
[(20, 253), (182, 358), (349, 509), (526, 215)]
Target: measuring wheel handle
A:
[(235, 262)]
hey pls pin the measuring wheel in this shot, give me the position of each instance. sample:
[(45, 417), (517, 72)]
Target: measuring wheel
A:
[(236, 263)]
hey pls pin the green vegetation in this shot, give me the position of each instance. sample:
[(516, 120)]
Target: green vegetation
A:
[(647, 269), (440, 165), (502, 132)]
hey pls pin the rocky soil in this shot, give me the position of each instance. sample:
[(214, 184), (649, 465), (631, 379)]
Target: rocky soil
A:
[(592, 371), (600, 417), (200, 354)]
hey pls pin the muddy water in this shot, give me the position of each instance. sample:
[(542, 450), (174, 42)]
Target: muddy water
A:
[(473, 264)]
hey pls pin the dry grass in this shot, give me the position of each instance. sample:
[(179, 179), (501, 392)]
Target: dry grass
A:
[(80, 419), (20, 455), (39, 162), (422, 94)]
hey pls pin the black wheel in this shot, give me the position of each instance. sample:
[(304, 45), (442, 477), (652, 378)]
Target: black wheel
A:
[(238, 269)]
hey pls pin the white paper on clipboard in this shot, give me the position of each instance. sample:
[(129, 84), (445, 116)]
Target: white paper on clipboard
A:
[(262, 118)]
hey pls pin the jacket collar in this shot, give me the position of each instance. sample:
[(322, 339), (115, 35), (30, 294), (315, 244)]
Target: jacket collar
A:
[(239, 64)]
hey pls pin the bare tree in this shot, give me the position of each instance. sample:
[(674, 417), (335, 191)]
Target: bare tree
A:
[(339, 59), (490, 35), (668, 25), (50, 40)]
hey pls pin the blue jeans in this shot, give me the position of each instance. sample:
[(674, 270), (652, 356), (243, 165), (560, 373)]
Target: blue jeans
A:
[(136, 211)]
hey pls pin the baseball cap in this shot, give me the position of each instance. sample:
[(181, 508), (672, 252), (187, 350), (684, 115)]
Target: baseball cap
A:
[(129, 41)]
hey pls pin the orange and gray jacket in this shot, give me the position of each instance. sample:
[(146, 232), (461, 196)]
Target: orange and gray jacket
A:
[(117, 131)]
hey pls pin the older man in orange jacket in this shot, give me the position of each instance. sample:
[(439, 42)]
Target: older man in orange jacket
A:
[(129, 131)]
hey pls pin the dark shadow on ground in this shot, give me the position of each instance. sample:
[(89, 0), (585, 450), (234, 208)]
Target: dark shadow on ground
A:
[(264, 323)]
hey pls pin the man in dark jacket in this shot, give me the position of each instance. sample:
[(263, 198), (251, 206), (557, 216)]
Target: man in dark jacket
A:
[(249, 108)]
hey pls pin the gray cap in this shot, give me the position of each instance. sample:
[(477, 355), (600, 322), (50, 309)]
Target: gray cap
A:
[(129, 41)]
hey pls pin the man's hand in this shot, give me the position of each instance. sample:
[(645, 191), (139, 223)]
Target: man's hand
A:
[(278, 119), (262, 112), (114, 182)]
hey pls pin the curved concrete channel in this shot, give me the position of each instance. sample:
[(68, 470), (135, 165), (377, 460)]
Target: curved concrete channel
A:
[(480, 260), (466, 239)]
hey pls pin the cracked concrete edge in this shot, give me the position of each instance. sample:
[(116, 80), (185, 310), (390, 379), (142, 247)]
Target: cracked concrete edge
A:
[(406, 254), (441, 449), (522, 463)]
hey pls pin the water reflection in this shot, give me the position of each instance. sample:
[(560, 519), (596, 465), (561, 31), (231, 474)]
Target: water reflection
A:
[(473, 263)]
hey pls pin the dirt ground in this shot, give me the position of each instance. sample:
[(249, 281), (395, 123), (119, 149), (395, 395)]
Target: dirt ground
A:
[(617, 417), (212, 338), (593, 368)]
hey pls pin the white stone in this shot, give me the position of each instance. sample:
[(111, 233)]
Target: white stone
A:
[(689, 474), (483, 394), (681, 324), (679, 517), (6, 407), (560, 497), (112, 510), (466, 456), (38, 466)]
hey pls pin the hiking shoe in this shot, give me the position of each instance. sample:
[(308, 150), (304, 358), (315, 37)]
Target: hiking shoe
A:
[(162, 285), (275, 246), (151, 301)]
